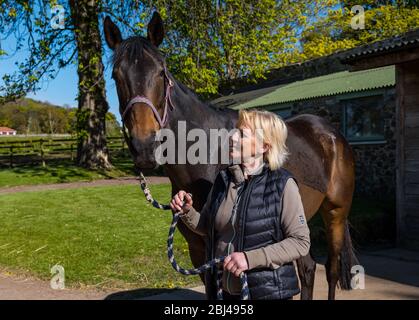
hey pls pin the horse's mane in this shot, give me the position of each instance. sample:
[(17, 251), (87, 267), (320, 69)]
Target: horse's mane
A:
[(188, 91), (133, 48)]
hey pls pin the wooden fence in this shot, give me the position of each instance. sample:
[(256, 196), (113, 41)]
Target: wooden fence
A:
[(42, 149)]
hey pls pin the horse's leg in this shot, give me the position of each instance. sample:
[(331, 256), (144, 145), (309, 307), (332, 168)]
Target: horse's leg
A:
[(306, 271), (340, 252), (335, 210), (312, 199), (335, 222)]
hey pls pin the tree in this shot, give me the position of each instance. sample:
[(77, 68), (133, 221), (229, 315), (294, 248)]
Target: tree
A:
[(50, 49), (210, 42), (92, 109), (32, 117), (112, 126), (383, 19)]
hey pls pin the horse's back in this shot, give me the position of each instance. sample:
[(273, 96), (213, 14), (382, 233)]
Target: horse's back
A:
[(314, 144)]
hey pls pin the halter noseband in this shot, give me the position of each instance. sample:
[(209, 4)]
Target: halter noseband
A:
[(142, 99)]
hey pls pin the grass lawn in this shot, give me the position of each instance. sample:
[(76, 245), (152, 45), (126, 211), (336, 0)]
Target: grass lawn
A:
[(108, 237), (61, 171)]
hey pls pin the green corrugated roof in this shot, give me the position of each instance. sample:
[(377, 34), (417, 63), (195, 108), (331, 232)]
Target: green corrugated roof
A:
[(328, 85)]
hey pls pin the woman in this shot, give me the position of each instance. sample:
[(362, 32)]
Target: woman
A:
[(253, 214)]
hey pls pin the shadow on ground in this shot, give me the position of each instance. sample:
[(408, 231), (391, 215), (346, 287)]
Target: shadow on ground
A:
[(389, 274), (157, 294), (398, 265), (393, 264)]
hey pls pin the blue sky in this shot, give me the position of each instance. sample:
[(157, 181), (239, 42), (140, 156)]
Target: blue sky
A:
[(63, 89)]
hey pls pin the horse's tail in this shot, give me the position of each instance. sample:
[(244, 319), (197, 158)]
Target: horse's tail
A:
[(347, 260)]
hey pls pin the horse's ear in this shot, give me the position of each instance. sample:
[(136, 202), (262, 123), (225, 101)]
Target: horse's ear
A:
[(155, 30), (112, 34)]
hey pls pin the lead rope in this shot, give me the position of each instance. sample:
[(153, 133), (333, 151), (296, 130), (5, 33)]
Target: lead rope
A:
[(244, 295)]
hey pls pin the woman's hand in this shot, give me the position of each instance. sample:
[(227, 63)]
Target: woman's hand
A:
[(181, 202), (236, 263)]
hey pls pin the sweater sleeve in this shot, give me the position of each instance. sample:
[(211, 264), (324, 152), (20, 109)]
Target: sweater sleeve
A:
[(296, 242), (198, 221)]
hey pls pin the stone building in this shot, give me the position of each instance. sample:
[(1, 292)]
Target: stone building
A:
[(403, 53), (371, 94), (360, 104)]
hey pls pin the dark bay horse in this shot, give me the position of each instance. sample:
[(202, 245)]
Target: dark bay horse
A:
[(320, 157)]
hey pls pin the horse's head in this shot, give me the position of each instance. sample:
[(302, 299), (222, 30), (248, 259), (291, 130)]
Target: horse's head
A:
[(141, 81)]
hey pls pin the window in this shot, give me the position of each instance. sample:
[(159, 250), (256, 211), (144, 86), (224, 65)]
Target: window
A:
[(363, 119)]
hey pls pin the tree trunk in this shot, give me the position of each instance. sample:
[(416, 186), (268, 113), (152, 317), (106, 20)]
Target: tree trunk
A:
[(92, 151)]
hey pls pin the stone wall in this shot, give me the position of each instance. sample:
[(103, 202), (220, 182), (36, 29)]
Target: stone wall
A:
[(375, 162)]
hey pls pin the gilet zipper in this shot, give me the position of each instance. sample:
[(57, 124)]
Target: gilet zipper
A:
[(243, 212), (233, 222)]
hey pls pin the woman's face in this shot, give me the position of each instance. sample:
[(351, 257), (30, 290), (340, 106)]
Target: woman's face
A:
[(246, 145)]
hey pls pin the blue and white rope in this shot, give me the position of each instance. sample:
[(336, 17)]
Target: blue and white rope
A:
[(215, 262), (148, 196)]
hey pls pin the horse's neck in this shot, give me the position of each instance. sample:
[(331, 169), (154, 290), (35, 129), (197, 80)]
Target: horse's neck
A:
[(196, 114)]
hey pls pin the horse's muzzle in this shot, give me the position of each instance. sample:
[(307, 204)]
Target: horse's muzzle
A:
[(144, 157)]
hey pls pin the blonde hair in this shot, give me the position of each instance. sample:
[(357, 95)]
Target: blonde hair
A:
[(274, 130)]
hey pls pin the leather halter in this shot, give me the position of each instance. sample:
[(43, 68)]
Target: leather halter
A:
[(142, 99)]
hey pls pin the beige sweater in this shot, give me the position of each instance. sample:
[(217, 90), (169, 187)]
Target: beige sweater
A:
[(296, 242)]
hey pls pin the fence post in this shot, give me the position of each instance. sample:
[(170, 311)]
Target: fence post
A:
[(71, 151), (123, 143), (41, 142), (11, 156)]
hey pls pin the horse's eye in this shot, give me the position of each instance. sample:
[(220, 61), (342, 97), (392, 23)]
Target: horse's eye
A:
[(162, 73)]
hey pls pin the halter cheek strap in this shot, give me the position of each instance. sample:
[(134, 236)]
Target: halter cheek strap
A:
[(142, 99)]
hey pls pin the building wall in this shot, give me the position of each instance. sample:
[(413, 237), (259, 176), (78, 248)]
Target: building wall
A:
[(375, 161), (408, 155)]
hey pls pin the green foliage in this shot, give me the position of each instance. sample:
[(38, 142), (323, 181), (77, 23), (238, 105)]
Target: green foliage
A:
[(112, 125), (382, 20), (82, 118), (208, 43), (29, 116)]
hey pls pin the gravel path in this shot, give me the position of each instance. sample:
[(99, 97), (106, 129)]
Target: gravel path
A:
[(390, 274)]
